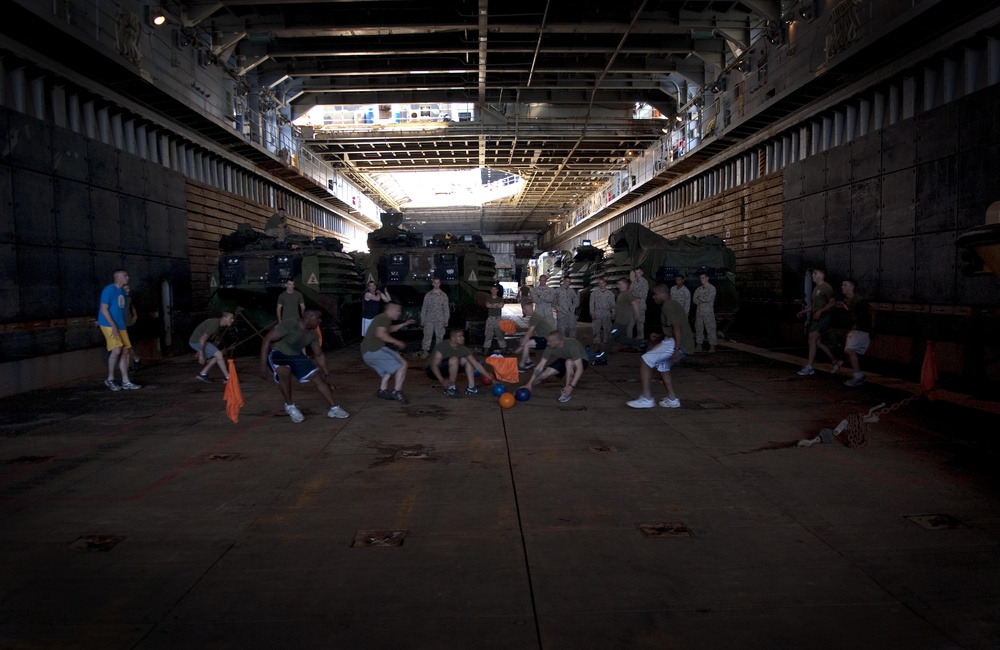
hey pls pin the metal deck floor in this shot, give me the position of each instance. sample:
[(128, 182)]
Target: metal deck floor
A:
[(149, 520)]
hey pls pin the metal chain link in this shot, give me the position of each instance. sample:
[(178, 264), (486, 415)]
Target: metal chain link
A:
[(859, 424)]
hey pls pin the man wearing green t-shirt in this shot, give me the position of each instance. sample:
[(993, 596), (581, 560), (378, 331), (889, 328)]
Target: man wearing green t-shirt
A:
[(820, 312), (277, 224), (563, 357), (678, 341), (291, 304), (494, 311), (626, 313), (377, 354), (450, 355), (281, 357), (205, 350), (534, 339)]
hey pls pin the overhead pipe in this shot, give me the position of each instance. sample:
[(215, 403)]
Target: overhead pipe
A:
[(531, 73), (590, 106)]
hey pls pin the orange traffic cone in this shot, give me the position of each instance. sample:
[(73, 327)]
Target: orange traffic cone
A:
[(929, 372)]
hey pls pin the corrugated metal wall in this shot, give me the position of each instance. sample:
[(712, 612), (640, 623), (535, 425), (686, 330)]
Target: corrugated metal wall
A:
[(72, 210)]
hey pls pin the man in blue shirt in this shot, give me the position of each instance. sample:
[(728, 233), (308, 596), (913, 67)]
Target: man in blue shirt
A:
[(111, 319)]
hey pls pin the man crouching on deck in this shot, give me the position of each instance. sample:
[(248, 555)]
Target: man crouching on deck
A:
[(281, 356)]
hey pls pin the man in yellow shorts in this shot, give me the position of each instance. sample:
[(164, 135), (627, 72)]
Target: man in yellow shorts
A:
[(111, 318)]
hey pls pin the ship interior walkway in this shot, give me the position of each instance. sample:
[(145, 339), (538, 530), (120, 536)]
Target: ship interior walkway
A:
[(148, 519)]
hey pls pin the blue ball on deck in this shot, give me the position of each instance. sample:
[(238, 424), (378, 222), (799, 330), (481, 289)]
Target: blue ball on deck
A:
[(522, 395), (498, 390)]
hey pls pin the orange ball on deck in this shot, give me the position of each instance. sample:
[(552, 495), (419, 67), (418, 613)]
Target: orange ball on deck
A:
[(506, 400)]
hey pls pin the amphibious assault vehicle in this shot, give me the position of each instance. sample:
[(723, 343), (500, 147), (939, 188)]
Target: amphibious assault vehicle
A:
[(253, 269), (635, 246), (404, 263), (586, 261)]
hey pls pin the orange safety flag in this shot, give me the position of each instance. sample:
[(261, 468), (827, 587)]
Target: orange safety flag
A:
[(508, 326), (505, 368), (233, 394), (929, 372)]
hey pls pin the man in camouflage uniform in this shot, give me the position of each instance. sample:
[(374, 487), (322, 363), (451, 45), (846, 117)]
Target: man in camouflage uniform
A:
[(602, 308), (704, 318), (640, 289), (681, 294), (566, 301), (542, 296), (434, 315)]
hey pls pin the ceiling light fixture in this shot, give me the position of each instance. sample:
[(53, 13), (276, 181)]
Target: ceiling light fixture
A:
[(155, 16)]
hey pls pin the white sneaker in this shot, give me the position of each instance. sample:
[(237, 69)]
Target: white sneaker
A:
[(127, 385), (805, 372), (642, 403), (337, 412), (564, 398), (294, 413), (668, 403)]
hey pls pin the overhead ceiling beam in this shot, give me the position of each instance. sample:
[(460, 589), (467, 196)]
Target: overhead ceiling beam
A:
[(288, 24), (375, 68), (461, 95), (766, 9)]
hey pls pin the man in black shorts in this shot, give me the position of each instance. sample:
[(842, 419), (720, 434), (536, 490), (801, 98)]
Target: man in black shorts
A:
[(534, 339), (819, 313), (563, 357), (450, 355), (281, 357)]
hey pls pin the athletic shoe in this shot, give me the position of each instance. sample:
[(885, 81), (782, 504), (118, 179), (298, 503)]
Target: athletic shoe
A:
[(338, 413), (642, 403), (399, 397), (451, 391), (805, 372), (127, 385), (668, 403), (835, 366), (204, 378), (112, 384), (424, 354), (563, 398), (855, 381), (472, 391), (384, 394), (294, 413), (529, 365)]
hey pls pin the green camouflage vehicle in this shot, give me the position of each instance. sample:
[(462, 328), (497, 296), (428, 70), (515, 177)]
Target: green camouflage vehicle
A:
[(586, 261), (662, 259), (253, 269), (403, 263)]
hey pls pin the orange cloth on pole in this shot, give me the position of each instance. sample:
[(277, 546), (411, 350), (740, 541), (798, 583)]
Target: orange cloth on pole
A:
[(505, 368), (508, 326), (929, 372), (233, 394)]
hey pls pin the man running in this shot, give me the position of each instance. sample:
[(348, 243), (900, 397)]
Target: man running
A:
[(281, 357)]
